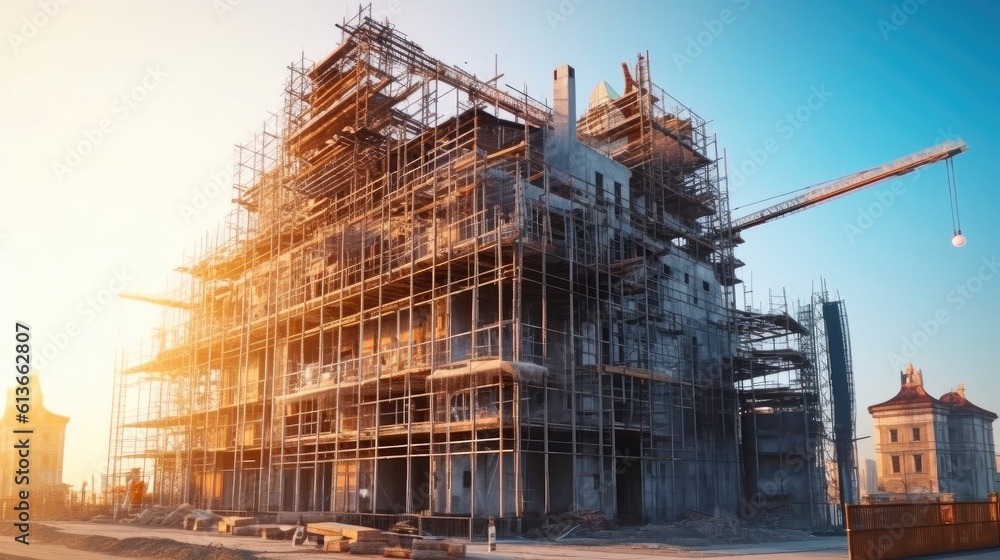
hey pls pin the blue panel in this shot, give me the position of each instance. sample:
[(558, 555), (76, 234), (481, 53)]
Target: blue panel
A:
[(843, 394)]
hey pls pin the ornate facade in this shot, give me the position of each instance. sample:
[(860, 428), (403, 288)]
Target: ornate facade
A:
[(932, 449)]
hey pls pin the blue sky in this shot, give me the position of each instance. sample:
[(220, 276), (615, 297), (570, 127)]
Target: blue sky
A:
[(199, 76)]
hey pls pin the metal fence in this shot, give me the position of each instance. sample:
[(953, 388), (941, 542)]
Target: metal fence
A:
[(473, 529), (885, 531)]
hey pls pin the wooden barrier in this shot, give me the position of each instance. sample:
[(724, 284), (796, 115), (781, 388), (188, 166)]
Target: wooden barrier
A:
[(887, 531)]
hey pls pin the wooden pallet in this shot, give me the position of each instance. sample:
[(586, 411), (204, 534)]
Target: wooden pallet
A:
[(354, 533), (227, 524)]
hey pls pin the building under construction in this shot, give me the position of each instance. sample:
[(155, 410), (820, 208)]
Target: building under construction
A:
[(438, 297), (797, 411)]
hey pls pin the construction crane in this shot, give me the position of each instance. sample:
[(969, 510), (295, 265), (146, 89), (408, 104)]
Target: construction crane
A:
[(842, 389), (852, 183), (156, 300)]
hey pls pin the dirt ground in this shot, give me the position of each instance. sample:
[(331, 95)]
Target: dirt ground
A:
[(715, 530), (133, 547), (592, 527), (685, 539)]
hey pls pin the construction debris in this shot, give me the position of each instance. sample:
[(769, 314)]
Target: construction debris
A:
[(353, 533), (397, 552), (227, 524), (200, 520), (437, 549), (175, 518), (246, 531), (404, 528), (183, 516), (333, 544), (564, 525), (367, 547), (276, 532)]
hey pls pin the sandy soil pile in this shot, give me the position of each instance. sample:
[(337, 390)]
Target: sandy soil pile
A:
[(139, 547), (164, 516)]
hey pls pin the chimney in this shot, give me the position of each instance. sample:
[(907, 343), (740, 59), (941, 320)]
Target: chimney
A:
[(564, 100), (960, 390)]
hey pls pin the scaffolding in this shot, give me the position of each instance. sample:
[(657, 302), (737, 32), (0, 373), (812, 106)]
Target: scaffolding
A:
[(440, 299), (796, 393)]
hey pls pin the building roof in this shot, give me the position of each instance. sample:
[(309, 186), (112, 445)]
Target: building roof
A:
[(38, 414), (912, 394), (956, 401), (908, 395), (602, 92)]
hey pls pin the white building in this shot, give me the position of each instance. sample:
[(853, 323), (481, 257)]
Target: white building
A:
[(869, 478)]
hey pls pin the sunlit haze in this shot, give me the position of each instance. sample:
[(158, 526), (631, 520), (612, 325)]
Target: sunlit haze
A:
[(119, 121)]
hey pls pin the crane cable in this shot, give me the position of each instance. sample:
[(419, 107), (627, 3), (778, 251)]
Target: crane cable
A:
[(958, 240), (783, 195), (953, 194)]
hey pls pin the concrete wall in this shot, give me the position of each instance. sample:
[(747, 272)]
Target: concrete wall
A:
[(457, 476), (781, 475)]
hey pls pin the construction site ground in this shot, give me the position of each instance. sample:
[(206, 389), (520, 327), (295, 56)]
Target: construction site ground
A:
[(89, 541)]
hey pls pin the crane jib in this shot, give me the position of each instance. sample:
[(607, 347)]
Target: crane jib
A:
[(852, 183)]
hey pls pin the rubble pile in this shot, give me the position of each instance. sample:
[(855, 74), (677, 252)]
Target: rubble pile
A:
[(583, 523), (182, 516), (404, 528)]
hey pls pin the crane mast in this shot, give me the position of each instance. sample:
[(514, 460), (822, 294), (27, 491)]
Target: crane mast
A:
[(851, 183)]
